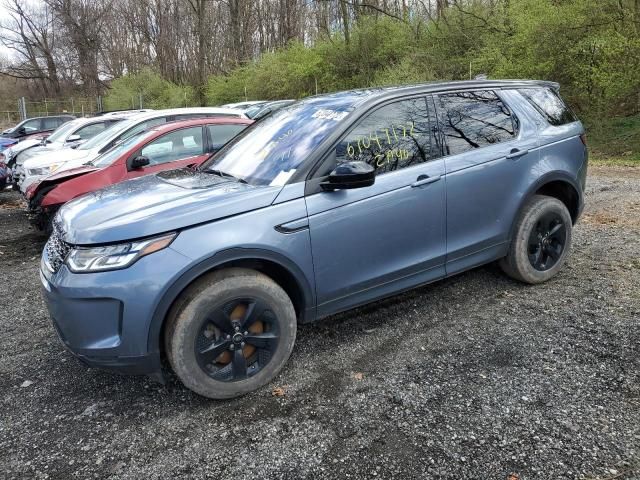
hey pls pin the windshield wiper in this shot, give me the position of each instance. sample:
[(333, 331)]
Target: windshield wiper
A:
[(220, 173)]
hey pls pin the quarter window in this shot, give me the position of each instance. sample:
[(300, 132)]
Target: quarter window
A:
[(471, 120), (173, 146), (398, 135), (550, 105)]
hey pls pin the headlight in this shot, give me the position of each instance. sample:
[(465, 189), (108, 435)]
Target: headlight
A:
[(113, 257), (44, 170)]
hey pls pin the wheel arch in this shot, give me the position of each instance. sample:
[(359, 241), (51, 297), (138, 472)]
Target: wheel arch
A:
[(559, 185), (276, 266)]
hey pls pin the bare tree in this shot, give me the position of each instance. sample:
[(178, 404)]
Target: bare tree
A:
[(29, 33)]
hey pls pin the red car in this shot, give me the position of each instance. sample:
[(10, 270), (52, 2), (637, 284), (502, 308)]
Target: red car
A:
[(166, 147)]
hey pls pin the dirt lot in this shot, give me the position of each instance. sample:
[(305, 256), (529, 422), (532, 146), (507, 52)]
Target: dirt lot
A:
[(475, 377)]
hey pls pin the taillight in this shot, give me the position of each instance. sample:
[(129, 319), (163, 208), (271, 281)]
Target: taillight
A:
[(583, 139)]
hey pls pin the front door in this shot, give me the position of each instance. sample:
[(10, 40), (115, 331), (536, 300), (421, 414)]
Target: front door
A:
[(373, 241), (175, 149)]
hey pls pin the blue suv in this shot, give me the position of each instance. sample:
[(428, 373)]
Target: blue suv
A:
[(333, 202)]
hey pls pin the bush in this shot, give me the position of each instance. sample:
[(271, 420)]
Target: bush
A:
[(156, 92)]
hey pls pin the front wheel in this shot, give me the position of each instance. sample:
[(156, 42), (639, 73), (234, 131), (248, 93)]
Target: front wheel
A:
[(541, 242), (230, 333)]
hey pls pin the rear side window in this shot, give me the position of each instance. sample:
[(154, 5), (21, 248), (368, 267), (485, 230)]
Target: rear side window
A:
[(221, 134), (50, 123), (471, 120), (550, 105), (395, 136)]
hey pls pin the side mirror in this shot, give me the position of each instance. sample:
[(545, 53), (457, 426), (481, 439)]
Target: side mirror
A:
[(73, 138), (137, 162), (350, 175), (22, 131)]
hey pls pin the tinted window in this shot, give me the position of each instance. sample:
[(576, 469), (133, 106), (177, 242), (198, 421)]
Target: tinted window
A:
[(474, 119), (221, 134), (90, 130), (395, 136), (550, 105), (31, 126), (174, 146), (51, 123), (143, 126)]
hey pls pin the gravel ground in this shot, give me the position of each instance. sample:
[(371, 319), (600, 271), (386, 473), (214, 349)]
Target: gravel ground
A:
[(474, 377)]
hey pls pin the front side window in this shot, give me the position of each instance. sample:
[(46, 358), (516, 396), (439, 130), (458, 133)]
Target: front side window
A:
[(91, 130), (61, 132), (471, 120), (395, 136), (31, 126), (174, 146), (108, 135)]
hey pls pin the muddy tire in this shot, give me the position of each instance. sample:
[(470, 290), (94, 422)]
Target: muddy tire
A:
[(230, 333), (541, 242)]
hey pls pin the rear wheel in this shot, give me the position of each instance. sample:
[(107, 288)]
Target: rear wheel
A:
[(542, 241), (230, 333)]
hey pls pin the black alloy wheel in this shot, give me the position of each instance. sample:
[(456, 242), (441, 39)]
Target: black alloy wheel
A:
[(546, 241), (237, 339)]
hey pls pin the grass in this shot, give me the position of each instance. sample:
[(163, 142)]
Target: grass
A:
[(615, 141), (598, 159)]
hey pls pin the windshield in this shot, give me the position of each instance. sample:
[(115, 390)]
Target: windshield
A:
[(108, 134), (111, 155), (274, 148), (60, 134)]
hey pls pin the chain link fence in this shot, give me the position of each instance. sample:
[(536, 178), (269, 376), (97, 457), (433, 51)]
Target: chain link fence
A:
[(78, 106)]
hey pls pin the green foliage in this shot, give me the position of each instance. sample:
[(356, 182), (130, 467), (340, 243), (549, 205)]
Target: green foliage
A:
[(156, 92), (591, 47)]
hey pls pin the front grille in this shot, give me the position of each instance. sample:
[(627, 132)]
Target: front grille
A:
[(55, 251)]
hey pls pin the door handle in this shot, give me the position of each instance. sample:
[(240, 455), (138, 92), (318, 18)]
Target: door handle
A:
[(424, 180), (515, 153)]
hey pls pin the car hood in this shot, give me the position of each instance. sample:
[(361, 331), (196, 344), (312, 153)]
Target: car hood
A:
[(74, 172), (35, 158), (23, 145), (4, 141), (158, 203)]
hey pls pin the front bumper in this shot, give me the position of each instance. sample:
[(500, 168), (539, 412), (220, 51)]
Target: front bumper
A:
[(24, 181), (104, 318)]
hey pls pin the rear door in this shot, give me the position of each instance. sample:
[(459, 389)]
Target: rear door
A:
[(489, 153), (374, 241)]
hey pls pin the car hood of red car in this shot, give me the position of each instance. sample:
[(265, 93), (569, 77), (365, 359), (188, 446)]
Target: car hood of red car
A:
[(58, 178), (73, 172)]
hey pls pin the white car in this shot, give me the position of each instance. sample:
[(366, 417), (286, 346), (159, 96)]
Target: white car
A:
[(41, 166), (69, 134), (245, 105)]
